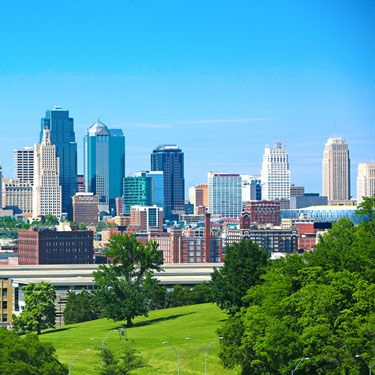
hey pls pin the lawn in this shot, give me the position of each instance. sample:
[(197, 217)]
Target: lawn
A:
[(190, 329)]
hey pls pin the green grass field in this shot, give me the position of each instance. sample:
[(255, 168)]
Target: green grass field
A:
[(79, 344)]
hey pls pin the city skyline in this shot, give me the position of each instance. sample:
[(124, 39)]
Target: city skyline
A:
[(205, 76)]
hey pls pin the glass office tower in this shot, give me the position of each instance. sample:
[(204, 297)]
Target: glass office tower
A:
[(137, 192), (170, 160), (104, 164), (157, 189), (63, 137)]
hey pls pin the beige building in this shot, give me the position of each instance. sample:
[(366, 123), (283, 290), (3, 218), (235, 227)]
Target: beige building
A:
[(365, 181), (198, 196), (336, 171), (18, 195), (6, 302), (46, 189), (146, 218)]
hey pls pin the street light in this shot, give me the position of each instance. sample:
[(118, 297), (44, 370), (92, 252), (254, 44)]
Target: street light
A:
[(300, 361), (178, 355), (205, 354), (76, 356)]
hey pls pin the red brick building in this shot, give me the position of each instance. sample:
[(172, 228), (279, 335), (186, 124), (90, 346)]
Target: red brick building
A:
[(264, 212)]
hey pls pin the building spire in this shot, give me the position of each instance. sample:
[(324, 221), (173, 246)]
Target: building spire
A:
[(46, 136)]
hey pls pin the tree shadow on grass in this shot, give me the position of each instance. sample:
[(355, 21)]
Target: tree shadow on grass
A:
[(55, 330), (156, 320)]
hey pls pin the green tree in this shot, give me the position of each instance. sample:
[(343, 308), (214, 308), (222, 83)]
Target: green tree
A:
[(367, 208), (27, 356), (127, 361), (320, 305), (244, 263), (80, 307), (123, 291), (39, 312)]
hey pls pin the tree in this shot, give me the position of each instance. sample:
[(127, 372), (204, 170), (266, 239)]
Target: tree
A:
[(244, 263), (80, 307), (39, 312), (320, 305), (127, 361), (367, 208), (123, 286), (27, 355)]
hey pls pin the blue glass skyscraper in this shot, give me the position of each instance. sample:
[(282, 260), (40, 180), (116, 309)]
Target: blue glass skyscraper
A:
[(62, 136), (157, 186), (104, 164), (170, 160)]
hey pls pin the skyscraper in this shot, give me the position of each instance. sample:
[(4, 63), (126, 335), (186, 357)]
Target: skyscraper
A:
[(63, 137), (157, 186), (137, 192), (365, 181), (336, 170), (251, 188), (170, 160), (104, 164), (224, 194), (46, 188), (275, 173), (24, 164)]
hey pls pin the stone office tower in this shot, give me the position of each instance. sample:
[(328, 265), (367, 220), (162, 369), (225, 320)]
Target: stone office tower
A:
[(62, 135), (336, 170), (46, 189)]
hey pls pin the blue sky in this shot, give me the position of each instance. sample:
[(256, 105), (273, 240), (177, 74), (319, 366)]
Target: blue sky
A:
[(220, 78)]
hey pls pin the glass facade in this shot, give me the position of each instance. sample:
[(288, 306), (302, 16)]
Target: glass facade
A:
[(170, 160), (63, 137), (157, 188), (137, 192), (323, 214), (104, 164)]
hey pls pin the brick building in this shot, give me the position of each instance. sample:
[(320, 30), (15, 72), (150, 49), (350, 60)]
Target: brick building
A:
[(47, 246), (263, 212)]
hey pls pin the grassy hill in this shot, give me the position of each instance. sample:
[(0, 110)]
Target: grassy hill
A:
[(80, 344)]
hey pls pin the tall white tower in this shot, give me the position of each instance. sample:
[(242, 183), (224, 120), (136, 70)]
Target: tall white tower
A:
[(336, 170), (24, 164), (46, 189), (365, 181), (275, 173)]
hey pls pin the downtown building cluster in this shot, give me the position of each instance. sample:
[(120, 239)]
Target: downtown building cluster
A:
[(266, 208)]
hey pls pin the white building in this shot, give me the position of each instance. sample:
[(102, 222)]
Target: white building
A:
[(224, 194), (24, 164), (275, 174), (46, 189), (365, 181), (250, 185), (336, 171)]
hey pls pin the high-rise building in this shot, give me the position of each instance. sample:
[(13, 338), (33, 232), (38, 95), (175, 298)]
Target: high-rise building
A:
[(85, 208), (61, 127), (307, 200), (81, 183), (365, 181), (224, 194), (104, 164), (198, 196), (24, 164), (157, 186), (336, 170), (275, 173), (137, 192), (251, 188), (18, 196), (46, 188), (170, 160)]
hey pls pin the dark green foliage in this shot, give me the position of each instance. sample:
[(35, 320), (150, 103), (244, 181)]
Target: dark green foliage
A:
[(7, 222), (27, 356), (46, 221), (124, 286), (367, 208), (39, 312), (127, 361), (183, 296), (244, 263), (80, 307), (320, 305)]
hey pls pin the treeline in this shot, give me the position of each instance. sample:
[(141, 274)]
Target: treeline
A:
[(314, 314), (84, 306)]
